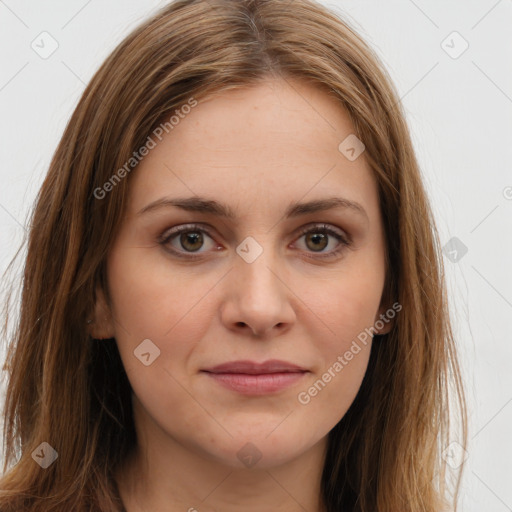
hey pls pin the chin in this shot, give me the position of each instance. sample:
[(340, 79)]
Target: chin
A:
[(262, 450)]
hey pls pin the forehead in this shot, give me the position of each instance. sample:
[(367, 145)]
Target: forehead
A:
[(277, 141)]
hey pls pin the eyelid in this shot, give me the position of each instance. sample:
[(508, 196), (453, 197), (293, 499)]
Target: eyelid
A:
[(324, 226)]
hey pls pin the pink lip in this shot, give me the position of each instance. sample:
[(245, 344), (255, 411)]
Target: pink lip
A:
[(251, 378)]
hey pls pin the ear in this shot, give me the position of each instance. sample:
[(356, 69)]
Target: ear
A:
[(384, 320), (101, 326)]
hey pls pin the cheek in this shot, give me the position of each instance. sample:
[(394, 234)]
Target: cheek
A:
[(348, 310), (346, 306), (329, 395), (148, 299), (172, 309), (345, 312), (151, 303)]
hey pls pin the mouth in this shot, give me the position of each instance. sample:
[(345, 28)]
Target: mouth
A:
[(252, 378)]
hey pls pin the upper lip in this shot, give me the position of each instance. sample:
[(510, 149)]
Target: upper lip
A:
[(254, 368)]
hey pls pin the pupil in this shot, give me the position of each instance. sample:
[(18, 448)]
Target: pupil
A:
[(194, 238), (319, 237)]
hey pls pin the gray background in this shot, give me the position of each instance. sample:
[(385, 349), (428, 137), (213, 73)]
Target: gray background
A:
[(460, 114)]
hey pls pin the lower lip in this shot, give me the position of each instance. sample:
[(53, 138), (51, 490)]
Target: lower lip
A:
[(260, 384)]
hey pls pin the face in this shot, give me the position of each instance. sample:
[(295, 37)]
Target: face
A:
[(270, 281)]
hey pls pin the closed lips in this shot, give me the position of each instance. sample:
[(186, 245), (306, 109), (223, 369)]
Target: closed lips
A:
[(251, 378), (254, 368)]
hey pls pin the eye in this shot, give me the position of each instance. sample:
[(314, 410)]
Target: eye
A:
[(188, 239), (317, 239)]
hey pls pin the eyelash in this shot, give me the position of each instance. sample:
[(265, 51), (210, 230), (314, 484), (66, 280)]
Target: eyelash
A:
[(167, 236)]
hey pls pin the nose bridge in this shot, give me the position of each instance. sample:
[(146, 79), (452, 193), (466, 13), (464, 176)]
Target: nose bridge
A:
[(260, 296), (257, 267)]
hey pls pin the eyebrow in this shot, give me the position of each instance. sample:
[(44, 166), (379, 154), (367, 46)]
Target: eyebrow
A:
[(210, 206)]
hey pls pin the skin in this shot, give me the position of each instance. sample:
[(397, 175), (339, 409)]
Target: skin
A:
[(256, 150)]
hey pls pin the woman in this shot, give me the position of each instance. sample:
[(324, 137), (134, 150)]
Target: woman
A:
[(233, 295)]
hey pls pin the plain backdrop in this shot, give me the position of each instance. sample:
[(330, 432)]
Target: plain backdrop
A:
[(452, 65)]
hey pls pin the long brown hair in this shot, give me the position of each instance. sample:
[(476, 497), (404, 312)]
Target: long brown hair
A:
[(72, 392)]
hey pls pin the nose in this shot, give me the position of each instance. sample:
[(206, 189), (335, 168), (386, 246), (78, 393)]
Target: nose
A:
[(258, 298)]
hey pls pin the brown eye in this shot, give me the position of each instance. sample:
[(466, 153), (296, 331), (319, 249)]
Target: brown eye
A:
[(318, 237), (317, 241), (183, 241), (191, 240), (186, 240)]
